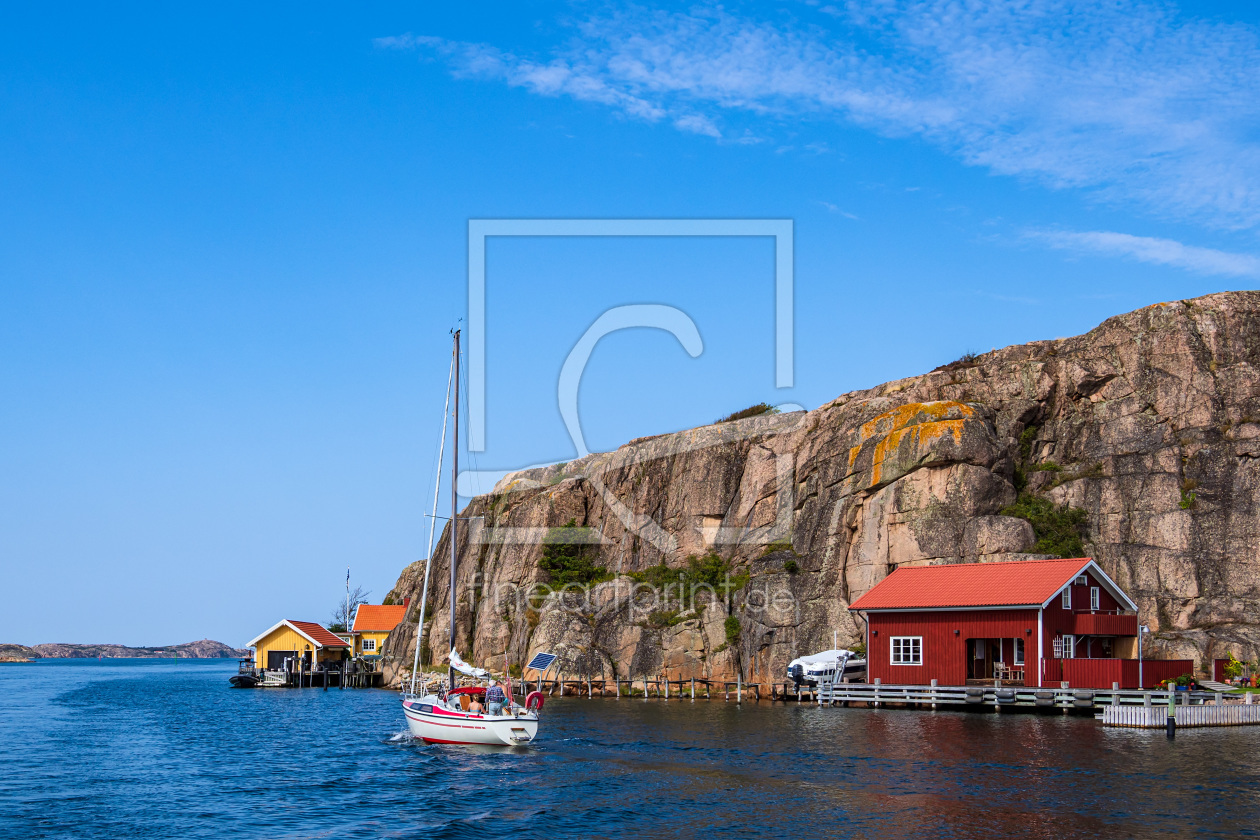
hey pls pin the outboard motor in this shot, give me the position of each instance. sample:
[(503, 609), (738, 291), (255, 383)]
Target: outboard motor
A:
[(797, 674)]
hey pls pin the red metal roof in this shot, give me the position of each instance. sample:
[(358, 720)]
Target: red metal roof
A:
[(1017, 583), (319, 633), (379, 617)]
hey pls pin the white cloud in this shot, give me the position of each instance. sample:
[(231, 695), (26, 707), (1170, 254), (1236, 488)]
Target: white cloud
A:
[(1153, 250), (1129, 100)]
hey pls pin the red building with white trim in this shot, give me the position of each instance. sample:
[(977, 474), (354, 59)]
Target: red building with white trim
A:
[(1027, 622)]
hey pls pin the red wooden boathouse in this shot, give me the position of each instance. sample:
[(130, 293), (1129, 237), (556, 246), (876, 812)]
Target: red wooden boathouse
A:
[(1027, 622)]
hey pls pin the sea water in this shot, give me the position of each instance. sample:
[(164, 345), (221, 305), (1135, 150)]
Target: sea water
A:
[(159, 748)]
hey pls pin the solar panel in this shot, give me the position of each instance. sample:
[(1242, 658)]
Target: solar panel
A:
[(541, 661)]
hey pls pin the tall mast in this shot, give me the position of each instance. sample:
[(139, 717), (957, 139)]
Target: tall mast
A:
[(454, 500), (428, 554)]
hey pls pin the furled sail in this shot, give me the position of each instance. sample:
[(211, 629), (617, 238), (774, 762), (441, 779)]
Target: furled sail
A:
[(458, 663)]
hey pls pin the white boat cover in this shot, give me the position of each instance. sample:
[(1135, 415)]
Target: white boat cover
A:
[(827, 657), (458, 663)]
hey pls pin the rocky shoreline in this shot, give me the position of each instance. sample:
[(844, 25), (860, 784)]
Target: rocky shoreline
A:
[(202, 649)]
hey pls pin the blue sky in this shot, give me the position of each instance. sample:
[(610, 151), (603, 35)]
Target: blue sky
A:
[(234, 245)]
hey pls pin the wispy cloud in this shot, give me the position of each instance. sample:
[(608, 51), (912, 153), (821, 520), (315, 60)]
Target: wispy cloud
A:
[(1130, 100), (835, 208), (1153, 250)]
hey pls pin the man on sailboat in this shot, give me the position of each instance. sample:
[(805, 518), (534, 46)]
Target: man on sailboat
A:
[(495, 698)]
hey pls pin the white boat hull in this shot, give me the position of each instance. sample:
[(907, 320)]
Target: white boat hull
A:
[(428, 719)]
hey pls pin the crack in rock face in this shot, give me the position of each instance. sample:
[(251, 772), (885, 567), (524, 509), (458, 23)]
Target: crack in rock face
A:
[(1150, 423)]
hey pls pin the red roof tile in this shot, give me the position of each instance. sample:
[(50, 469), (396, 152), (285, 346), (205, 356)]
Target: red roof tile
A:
[(319, 633), (383, 617), (1018, 583)]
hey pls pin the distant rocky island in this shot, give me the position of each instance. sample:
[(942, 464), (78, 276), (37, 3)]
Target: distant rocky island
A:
[(203, 649)]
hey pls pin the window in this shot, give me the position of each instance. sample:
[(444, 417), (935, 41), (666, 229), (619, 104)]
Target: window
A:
[(1069, 647), (1067, 598), (1019, 651), (1093, 597), (369, 644), (1081, 580), (979, 648), (907, 650)]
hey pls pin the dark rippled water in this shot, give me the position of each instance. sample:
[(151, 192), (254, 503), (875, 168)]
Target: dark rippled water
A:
[(137, 749)]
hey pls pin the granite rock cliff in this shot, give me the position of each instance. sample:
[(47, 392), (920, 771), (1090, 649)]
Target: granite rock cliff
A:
[(1149, 423)]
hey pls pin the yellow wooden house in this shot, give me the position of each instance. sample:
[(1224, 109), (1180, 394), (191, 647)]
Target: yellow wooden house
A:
[(373, 622), (290, 640)]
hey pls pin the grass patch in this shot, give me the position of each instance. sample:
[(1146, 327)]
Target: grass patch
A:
[(1060, 529), (777, 545), (752, 411)]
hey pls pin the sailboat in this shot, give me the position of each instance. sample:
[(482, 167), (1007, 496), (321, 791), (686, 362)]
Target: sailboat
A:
[(446, 717)]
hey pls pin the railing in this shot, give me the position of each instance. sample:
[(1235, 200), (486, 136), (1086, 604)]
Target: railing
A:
[(1002, 695), (1104, 624)]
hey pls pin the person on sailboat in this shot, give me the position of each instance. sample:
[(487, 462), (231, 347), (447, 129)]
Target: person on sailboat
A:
[(495, 698)]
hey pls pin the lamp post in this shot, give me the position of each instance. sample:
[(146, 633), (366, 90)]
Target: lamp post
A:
[(1142, 631)]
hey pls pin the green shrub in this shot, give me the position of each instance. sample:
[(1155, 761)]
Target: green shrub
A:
[(1048, 466), (859, 648), (731, 625), (710, 569), (389, 599), (661, 619), (1060, 529), (1233, 668), (777, 545), (1188, 500), (567, 558), (791, 567), (752, 411)]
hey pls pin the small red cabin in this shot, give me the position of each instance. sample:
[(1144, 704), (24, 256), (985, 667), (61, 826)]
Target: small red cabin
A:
[(1027, 622)]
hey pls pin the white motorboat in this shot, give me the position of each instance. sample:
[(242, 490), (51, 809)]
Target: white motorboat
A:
[(836, 665), (447, 717)]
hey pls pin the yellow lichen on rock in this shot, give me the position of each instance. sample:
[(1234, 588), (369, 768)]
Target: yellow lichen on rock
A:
[(896, 424)]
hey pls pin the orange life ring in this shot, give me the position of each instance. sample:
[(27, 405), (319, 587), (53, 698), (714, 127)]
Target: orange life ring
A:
[(534, 701)]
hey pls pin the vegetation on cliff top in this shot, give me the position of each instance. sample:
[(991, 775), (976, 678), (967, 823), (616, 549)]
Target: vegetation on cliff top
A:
[(752, 411)]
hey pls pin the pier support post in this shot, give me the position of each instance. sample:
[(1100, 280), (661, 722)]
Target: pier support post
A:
[(877, 684), (693, 687), (739, 688), (933, 694)]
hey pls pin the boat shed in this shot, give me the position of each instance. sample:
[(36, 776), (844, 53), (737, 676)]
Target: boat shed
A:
[(281, 647), (373, 622), (1027, 622)]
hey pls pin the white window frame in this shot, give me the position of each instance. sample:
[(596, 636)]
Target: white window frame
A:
[(1067, 598), (368, 645), (1094, 597), (1019, 651), (1069, 646), (898, 645), (1082, 580)]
